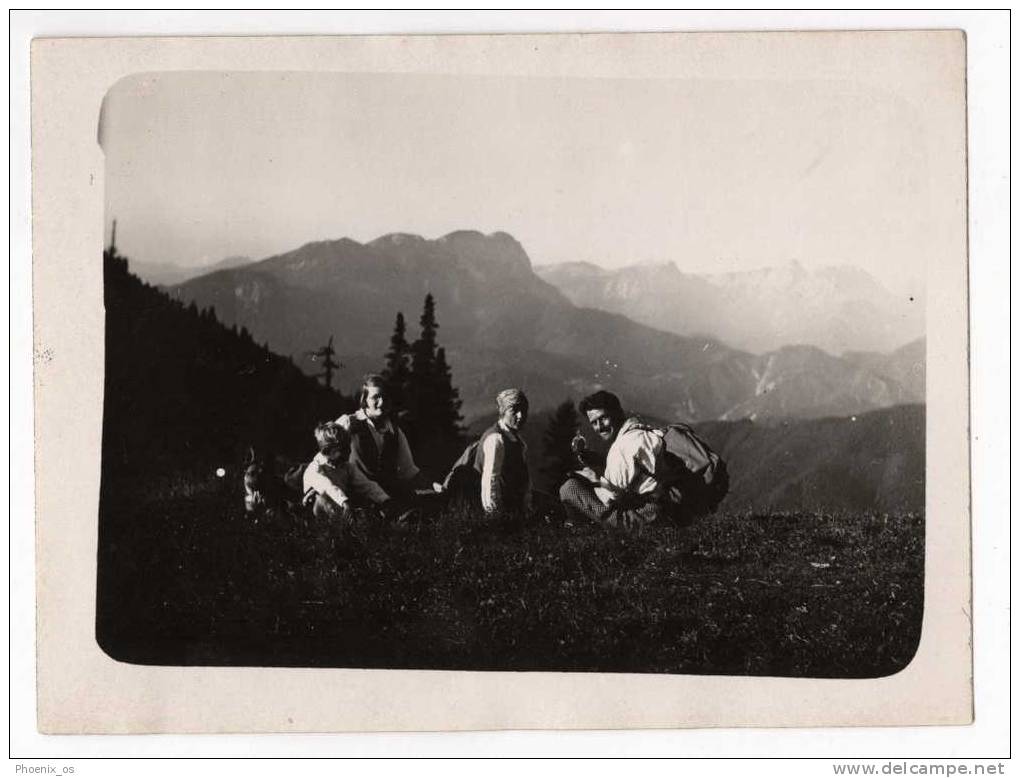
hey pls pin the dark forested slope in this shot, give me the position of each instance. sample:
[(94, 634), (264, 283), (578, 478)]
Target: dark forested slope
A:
[(183, 391)]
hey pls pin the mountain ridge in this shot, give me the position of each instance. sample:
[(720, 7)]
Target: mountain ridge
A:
[(501, 323), (838, 308)]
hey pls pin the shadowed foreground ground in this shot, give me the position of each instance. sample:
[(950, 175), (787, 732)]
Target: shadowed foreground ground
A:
[(186, 579)]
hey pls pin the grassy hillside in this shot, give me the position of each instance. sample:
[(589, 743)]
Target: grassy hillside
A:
[(793, 594)]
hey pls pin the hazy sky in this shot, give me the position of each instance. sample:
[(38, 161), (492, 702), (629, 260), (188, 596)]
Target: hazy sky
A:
[(712, 175)]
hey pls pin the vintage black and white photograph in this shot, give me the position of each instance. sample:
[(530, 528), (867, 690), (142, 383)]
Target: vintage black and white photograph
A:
[(425, 371)]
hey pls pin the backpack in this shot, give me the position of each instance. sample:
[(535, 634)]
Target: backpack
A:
[(465, 460), (694, 474), (463, 484)]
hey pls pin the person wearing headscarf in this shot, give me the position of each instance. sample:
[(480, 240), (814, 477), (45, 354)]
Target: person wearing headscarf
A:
[(501, 457)]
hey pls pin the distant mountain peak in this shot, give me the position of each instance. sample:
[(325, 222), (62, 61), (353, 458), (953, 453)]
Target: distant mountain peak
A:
[(474, 236), (497, 249), (397, 239), (317, 245), (457, 235)]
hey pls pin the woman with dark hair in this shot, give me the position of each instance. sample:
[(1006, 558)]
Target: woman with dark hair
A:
[(379, 448)]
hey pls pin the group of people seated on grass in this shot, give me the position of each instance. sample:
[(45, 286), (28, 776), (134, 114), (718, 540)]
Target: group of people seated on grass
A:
[(648, 473)]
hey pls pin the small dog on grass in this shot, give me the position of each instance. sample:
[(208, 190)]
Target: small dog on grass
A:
[(264, 490)]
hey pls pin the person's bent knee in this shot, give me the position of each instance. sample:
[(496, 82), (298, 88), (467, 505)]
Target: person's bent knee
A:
[(568, 492)]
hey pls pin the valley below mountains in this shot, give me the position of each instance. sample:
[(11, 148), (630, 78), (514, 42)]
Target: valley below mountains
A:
[(503, 324)]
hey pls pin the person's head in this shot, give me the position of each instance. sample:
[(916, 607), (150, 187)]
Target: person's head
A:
[(512, 405), (604, 412), (373, 399), (334, 441)]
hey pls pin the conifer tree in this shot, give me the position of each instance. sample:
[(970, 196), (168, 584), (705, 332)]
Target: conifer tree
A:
[(423, 352), (398, 369), (447, 399), (422, 400), (432, 401), (559, 458)]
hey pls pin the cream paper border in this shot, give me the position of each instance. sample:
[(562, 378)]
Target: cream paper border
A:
[(81, 690)]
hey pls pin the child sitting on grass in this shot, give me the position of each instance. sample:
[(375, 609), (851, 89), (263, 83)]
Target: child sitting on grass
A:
[(332, 485)]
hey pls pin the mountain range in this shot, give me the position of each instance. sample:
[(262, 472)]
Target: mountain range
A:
[(200, 393), (837, 309), (504, 325)]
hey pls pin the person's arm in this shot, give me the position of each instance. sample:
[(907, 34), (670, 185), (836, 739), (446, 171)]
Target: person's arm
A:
[(587, 459), (407, 470), (630, 459), (319, 480), (492, 467), (365, 487), (357, 456), (621, 468)]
